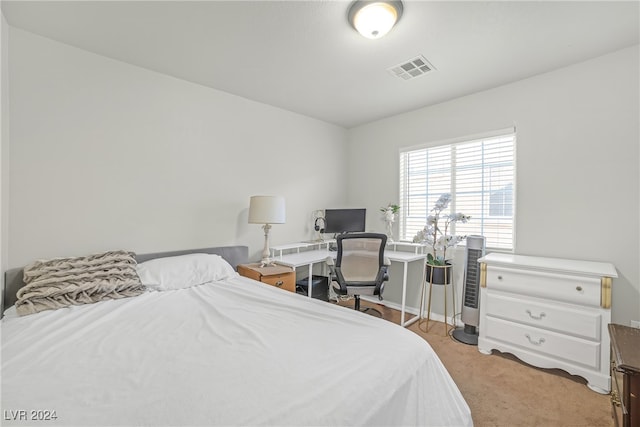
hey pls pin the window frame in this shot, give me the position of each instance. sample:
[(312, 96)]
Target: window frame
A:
[(505, 132)]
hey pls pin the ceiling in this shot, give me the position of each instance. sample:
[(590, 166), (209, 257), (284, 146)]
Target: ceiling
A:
[(304, 57)]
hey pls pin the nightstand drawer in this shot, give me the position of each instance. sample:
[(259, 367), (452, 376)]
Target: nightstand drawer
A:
[(284, 281), (277, 276)]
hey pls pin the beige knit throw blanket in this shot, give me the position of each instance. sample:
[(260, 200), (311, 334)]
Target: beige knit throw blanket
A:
[(61, 282)]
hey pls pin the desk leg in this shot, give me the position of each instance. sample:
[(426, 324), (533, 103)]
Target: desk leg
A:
[(404, 299), (404, 295), (423, 292), (404, 292), (310, 282)]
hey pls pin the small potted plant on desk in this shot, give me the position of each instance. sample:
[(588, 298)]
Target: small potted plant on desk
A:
[(438, 266)]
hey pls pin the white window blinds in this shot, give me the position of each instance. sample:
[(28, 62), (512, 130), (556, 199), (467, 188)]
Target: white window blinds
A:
[(480, 175)]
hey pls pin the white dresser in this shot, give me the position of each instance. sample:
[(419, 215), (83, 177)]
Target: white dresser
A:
[(549, 312)]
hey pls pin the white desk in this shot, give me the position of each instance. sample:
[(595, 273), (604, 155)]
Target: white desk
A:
[(300, 245), (309, 258), (417, 247)]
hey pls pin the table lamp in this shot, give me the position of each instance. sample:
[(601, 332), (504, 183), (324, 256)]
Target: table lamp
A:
[(266, 210)]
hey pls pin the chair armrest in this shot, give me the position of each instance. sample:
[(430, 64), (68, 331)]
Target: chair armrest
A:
[(386, 262)]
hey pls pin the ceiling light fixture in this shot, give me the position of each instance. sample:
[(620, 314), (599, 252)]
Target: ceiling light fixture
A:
[(374, 19)]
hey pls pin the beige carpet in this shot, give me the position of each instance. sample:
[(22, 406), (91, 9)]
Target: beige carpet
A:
[(503, 391)]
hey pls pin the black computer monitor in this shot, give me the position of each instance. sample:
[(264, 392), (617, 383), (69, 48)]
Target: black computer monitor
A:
[(344, 220)]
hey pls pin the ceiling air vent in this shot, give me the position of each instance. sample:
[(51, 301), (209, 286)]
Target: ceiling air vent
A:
[(415, 67)]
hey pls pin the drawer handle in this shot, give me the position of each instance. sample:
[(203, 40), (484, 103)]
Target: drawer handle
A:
[(615, 399), (579, 288), (279, 283), (540, 341), (499, 277), (536, 317)]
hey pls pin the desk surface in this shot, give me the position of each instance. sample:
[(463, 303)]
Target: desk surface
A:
[(299, 259)]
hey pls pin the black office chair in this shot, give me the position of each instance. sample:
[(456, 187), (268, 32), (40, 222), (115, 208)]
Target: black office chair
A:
[(360, 267)]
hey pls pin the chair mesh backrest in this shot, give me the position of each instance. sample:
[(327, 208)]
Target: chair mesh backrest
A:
[(361, 259)]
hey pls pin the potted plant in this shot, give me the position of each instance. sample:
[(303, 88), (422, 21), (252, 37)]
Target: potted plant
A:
[(389, 213), (436, 234)]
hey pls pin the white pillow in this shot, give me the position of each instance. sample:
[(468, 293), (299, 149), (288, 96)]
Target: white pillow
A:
[(183, 271), (10, 313)]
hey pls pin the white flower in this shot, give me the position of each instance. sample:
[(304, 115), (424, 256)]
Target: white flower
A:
[(458, 217), (443, 202), (435, 234), (441, 243), (420, 236)]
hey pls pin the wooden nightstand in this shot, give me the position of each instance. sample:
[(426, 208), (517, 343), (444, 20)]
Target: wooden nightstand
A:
[(279, 276)]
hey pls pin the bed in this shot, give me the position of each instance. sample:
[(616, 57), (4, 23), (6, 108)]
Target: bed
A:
[(231, 351)]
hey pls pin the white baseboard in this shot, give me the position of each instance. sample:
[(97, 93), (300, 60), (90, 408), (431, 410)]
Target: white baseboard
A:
[(434, 316)]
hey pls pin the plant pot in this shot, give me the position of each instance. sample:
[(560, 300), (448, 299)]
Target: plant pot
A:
[(439, 274)]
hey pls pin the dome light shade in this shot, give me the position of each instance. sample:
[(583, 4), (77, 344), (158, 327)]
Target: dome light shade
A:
[(374, 19)]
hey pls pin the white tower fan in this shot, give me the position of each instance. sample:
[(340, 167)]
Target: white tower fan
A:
[(470, 315)]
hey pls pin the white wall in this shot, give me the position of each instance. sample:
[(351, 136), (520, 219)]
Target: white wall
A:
[(4, 147), (106, 155), (577, 162)]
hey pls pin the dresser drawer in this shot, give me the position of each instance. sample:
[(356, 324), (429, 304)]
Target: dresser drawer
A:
[(556, 317), (552, 344), (625, 373), (617, 394), (558, 287)]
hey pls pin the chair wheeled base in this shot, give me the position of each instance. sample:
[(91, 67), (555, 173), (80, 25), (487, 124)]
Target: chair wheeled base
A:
[(357, 307)]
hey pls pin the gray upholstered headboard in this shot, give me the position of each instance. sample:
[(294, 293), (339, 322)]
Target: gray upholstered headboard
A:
[(233, 254)]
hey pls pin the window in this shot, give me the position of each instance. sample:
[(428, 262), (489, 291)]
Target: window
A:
[(480, 175)]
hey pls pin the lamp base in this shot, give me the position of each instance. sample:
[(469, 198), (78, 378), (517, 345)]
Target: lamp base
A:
[(267, 262), (266, 253)]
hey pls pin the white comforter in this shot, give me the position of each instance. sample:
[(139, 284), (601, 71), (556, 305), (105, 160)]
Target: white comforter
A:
[(236, 352)]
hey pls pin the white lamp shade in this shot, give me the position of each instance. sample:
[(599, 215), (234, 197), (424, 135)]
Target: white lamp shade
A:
[(266, 210)]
